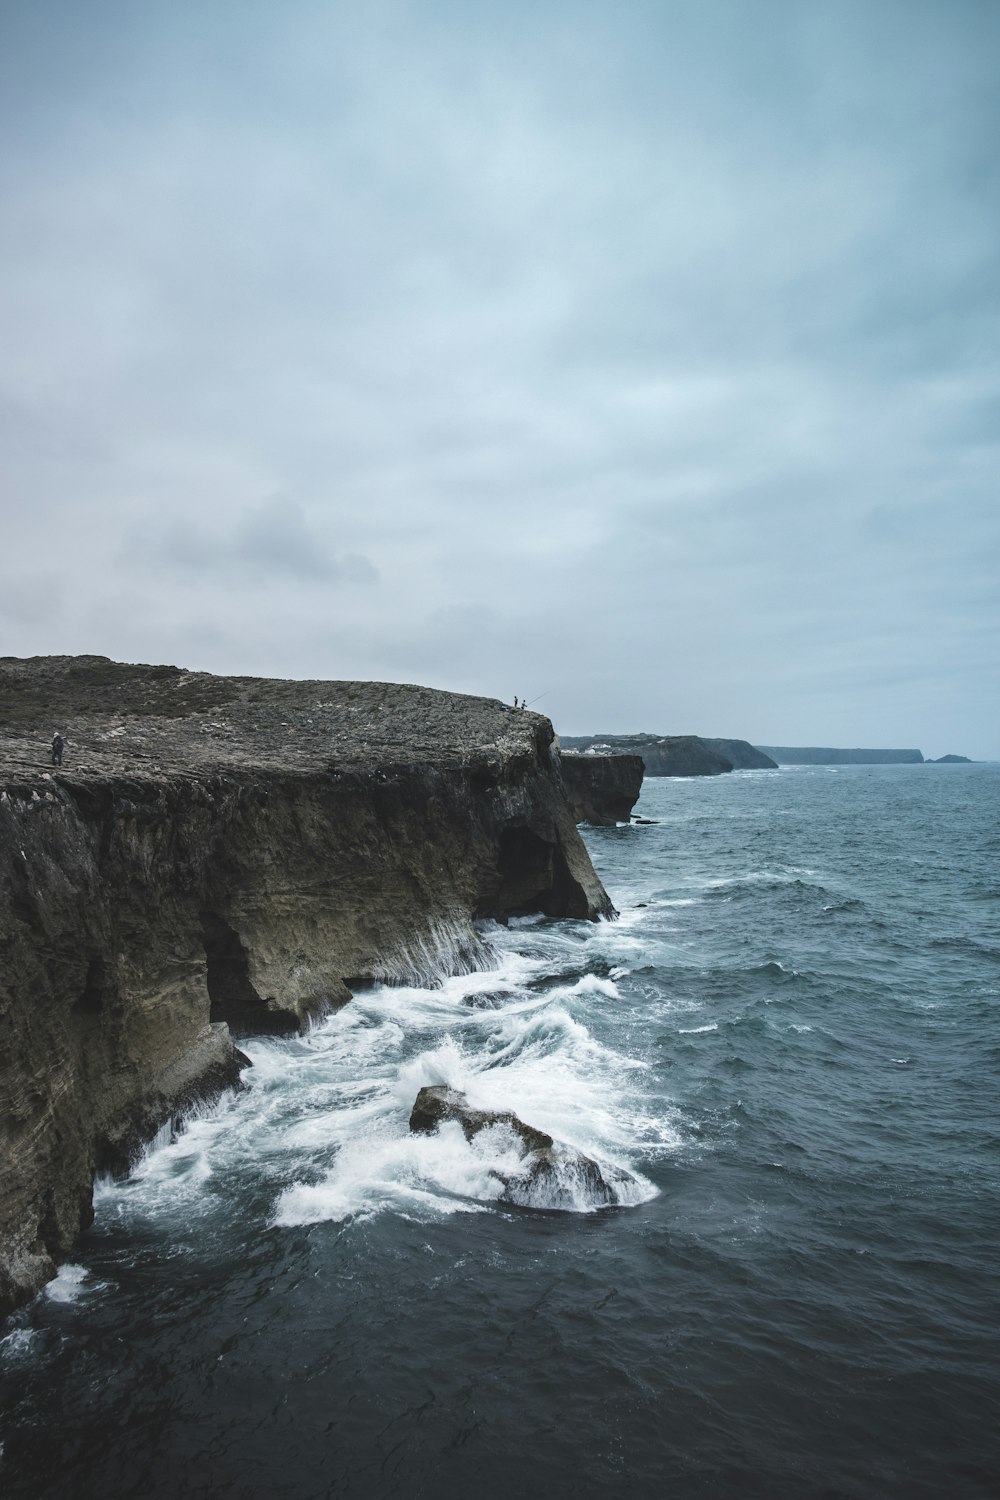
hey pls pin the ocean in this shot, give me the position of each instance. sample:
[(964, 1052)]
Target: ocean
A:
[(788, 1040)]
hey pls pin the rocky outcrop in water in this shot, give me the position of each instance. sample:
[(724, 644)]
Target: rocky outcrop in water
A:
[(950, 760), (602, 789), (552, 1175), (225, 855), (813, 755), (662, 755)]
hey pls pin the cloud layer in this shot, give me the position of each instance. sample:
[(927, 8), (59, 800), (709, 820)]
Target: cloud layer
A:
[(646, 362)]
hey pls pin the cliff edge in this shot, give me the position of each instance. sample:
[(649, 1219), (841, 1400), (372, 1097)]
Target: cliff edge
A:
[(220, 856)]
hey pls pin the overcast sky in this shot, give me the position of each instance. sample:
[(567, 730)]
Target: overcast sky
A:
[(645, 357)]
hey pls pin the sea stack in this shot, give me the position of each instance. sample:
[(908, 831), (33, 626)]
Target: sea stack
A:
[(602, 789)]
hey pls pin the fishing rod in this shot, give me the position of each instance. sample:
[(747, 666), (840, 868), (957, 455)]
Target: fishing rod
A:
[(534, 700)]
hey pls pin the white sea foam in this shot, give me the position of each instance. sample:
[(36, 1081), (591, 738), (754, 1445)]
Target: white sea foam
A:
[(326, 1116), (70, 1284), (446, 947), (697, 1030), (18, 1342)]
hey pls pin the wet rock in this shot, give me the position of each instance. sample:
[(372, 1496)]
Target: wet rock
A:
[(552, 1175), (489, 999)]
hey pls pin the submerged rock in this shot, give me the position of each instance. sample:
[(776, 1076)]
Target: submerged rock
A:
[(552, 1175)]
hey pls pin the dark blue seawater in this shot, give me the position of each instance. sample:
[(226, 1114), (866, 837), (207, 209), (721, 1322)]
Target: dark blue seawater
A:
[(789, 1037)]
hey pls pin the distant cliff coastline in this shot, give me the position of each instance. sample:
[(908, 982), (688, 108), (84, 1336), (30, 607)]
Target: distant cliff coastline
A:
[(675, 754), (811, 755), (221, 856)]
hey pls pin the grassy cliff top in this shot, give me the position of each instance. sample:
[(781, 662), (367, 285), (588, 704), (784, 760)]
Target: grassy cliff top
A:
[(141, 720)]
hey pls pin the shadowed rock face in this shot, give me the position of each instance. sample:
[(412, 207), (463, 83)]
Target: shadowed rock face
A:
[(222, 855), (602, 789), (552, 1175)]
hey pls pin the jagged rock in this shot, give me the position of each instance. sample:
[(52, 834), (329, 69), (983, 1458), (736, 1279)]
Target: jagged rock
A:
[(602, 789), (552, 1175), (227, 854)]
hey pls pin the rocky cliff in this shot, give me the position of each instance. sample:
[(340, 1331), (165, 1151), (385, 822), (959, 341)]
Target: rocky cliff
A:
[(226, 855), (663, 755), (741, 755), (602, 789)]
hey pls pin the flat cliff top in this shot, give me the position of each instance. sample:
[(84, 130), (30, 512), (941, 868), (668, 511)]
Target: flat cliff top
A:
[(122, 719)]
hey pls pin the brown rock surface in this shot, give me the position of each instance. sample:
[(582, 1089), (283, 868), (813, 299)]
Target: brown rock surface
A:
[(227, 852)]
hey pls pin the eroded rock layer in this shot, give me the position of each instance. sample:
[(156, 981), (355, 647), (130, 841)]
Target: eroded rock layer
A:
[(225, 855)]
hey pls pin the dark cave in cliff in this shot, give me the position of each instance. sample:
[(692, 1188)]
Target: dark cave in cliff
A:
[(231, 993)]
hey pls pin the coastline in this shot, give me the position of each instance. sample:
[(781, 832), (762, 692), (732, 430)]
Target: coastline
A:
[(223, 857)]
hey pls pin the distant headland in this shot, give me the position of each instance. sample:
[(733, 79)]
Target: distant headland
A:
[(674, 754), (813, 755), (698, 755)]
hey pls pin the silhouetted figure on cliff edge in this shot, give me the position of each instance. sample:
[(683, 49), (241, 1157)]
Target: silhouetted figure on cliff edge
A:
[(57, 749)]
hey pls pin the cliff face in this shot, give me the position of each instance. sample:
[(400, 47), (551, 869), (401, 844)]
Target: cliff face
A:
[(663, 755), (741, 755), (602, 789), (223, 856)]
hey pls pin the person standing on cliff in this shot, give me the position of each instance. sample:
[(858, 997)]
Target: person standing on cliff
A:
[(57, 748)]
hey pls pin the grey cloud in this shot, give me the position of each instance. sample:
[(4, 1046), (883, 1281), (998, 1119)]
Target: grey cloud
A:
[(650, 354), (271, 541), (32, 598)]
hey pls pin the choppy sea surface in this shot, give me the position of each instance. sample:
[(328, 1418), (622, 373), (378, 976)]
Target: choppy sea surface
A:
[(789, 1039)]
